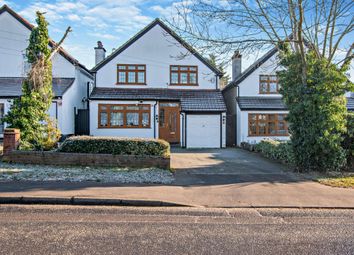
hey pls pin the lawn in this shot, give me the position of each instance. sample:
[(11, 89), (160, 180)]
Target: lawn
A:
[(342, 182)]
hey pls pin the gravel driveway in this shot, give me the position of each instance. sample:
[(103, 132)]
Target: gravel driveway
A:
[(19, 172)]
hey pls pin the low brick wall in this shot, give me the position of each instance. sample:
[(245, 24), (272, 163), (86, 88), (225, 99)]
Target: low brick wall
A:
[(86, 159)]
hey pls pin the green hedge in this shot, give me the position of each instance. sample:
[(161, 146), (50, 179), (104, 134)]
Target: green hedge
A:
[(276, 150), (115, 145)]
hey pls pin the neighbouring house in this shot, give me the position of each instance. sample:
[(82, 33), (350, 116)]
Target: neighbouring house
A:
[(255, 109), (70, 78), (157, 86)]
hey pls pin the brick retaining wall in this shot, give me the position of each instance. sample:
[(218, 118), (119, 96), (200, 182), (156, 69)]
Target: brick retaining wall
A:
[(86, 159)]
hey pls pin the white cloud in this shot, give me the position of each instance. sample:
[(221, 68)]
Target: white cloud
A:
[(73, 17)]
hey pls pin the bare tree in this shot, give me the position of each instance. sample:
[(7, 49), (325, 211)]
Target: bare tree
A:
[(222, 26)]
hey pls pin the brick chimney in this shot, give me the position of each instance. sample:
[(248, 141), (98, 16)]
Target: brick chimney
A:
[(100, 52), (236, 65)]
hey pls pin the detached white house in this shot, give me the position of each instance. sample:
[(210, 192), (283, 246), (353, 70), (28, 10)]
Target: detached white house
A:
[(70, 78), (157, 86), (255, 109)]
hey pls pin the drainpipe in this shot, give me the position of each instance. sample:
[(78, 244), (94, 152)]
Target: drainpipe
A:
[(155, 119), (237, 96)]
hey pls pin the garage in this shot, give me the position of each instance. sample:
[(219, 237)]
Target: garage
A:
[(203, 131)]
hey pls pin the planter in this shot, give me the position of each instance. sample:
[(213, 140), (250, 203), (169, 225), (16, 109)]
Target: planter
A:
[(86, 159)]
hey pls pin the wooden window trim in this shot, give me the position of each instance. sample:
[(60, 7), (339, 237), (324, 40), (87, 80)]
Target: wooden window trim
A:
[(276, 121), (179, 71), (124, 111), (126, 71), (268, 84)]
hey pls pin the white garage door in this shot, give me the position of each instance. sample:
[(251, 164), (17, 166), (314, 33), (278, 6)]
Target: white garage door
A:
[(203, 131)]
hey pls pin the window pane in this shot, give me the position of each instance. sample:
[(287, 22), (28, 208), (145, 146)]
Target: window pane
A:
[(282, 130), (264, 87), (117, 107), (103, 107), (131, 67), (183, 68), (174, 68), (253, 130), (262, 128), (271, 117), (132, 119), (253, 116), (141, 67), (141, 77), (184, 78), (263, 77), (271, 128), (262, 117), (144, 107), (117, 119), (145, 119), (281, 116), (162, 118), (103, 120), (193, 68), (133, 107), (193, 78), (131, 77), (174, 78), (273, 87), (122, 77), (121, 67)]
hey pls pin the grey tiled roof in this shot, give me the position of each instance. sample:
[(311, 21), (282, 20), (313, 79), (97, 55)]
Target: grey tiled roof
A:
[(191, 100), (259, 103), (12, 86), (272, 103)]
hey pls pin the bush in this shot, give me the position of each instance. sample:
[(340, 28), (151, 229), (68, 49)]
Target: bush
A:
[(276, 150), (115, 146), (348, 143)]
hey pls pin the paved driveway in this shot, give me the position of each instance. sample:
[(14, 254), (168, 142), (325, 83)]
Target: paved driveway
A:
[(226, 166)]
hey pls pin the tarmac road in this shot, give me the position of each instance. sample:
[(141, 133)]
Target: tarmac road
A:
[(56, 229)]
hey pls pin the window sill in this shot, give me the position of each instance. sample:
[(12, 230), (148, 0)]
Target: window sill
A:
[(267, 135), (186, 85), (133, 84), (124, 127)]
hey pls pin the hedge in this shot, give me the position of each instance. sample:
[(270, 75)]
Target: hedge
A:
[(115, 146), (276, 150)]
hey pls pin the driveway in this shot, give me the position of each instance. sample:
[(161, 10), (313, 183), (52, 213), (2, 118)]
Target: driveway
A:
[(226, 166)]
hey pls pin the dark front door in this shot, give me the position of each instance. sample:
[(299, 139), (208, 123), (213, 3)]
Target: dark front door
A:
[(169, 128), (82, 122), (2, 111)]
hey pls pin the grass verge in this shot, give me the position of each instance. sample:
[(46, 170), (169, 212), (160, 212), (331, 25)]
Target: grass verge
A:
[(341, 182)]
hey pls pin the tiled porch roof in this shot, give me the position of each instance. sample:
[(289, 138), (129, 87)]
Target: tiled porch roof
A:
[(191, 100), (273, 103)]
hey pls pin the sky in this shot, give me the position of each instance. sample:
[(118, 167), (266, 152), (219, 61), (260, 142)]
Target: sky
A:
[(111, 21)]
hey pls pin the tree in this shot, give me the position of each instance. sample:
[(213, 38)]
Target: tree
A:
[(29, 113), (314, 41), (225, 78)]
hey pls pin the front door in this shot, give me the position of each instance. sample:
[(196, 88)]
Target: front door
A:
[(169, 128)]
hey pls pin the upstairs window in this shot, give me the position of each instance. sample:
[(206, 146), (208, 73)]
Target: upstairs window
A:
[(131, 74), (268, 84), (267, 124), (184, 75)]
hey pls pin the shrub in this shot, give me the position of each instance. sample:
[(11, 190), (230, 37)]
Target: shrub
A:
[(276, 150), (116, 146), (348, 142)]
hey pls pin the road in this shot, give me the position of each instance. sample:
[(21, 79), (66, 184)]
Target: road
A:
[(48, 229)]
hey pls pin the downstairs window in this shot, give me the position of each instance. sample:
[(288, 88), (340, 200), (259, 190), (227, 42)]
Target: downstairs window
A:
[(260, 124), (123, 116)]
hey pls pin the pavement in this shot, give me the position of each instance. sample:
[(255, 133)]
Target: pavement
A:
[(203, 178), (34, 229)]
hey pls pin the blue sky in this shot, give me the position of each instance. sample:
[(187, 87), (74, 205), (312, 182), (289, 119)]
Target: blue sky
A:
[(111, 21)]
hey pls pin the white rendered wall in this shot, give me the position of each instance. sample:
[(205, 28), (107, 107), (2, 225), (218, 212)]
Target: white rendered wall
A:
[(250, 85), (243, 128), (122, 132), (158, 50), (13, 43)]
